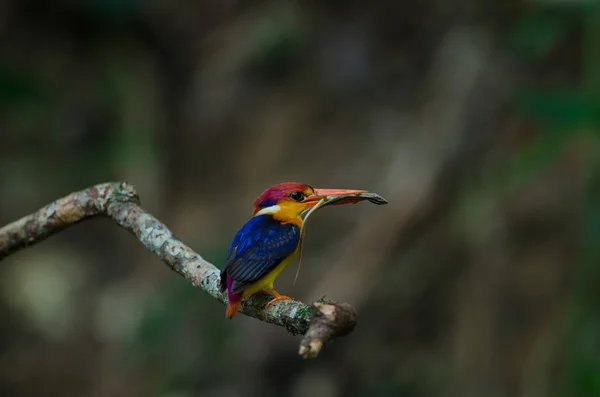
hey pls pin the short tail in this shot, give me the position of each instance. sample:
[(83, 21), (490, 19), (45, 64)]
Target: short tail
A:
[(232, 307), (235, 300)]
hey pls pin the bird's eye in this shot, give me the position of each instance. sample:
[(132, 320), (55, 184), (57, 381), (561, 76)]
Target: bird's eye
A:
[(298, 196)]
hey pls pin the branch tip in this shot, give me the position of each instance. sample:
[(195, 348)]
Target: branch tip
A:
[(329, 321)]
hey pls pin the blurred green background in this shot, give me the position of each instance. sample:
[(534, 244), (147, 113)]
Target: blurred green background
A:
[(479, 122)]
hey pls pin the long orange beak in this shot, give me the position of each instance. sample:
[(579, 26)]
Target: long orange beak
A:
[(319, 194)]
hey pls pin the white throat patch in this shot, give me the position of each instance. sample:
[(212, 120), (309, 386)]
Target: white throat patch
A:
[(269, 210)]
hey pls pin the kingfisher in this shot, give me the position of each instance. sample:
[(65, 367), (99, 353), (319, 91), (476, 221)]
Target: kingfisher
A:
[(270, 240)]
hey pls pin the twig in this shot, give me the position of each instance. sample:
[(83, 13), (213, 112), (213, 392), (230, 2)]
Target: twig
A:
[(120, 202)]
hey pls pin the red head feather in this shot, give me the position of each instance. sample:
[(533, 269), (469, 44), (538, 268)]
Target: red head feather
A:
[(273, 194)]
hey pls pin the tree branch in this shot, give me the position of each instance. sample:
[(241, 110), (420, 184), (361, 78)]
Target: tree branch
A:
[(120, 202)]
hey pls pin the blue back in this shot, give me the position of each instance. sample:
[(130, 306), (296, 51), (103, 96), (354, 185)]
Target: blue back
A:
[(257, 248)]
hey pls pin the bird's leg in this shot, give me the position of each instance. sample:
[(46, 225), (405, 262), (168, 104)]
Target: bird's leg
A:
[(278, 297)]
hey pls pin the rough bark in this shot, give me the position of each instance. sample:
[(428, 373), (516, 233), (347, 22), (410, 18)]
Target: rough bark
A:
[(120, 202)]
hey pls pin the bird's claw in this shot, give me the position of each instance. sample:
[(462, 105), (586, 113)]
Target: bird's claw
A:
[(278, 298)]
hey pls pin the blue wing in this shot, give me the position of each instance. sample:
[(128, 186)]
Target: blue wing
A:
[(257, 248)]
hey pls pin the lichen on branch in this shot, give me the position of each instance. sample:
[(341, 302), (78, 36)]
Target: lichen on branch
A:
[(119, 201)]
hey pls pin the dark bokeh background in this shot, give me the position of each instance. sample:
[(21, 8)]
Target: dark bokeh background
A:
[(478, 120)]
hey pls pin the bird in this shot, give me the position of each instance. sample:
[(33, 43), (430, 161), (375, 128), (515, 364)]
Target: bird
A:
[(267, 243)]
